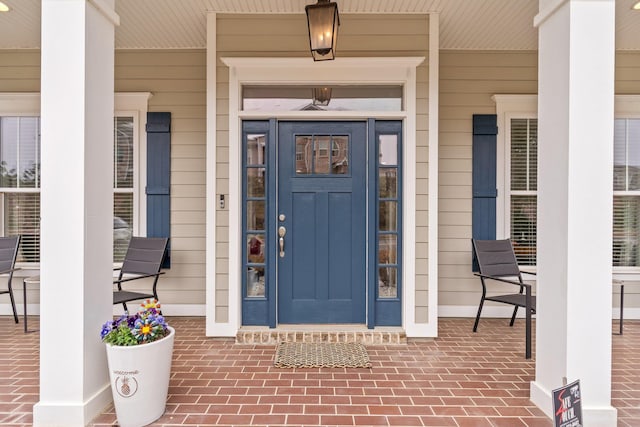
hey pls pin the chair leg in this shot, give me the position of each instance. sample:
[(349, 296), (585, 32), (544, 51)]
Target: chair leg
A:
[(13, 304), (124, 304), (528, 305), (513, 317), (475, 325)]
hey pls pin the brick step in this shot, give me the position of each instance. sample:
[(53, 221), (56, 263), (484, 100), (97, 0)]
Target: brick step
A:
[(311, 334)]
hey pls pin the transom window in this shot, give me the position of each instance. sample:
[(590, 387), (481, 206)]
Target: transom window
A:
[(309, 98)]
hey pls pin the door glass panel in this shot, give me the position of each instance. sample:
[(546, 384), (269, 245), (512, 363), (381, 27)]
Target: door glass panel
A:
[(255, 248), (388, 148), (255, 215), (387, 249), (388, 183), (255, 182), (388, 216), (388, 282), (255, 282), (304, 155), (340, 155), (256, 265), (321, 161), (256, 149)]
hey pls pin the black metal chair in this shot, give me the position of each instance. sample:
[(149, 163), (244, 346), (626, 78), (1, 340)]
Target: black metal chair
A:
[(8, 254), (497, 262), (143, 260)]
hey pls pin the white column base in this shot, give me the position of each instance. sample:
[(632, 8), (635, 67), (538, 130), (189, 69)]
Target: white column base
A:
[(591, 416), (50, 413)]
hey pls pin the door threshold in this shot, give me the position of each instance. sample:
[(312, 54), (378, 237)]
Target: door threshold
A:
[(387, 335)]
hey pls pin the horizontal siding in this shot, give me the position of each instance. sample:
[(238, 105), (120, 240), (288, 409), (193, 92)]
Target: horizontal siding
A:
[(177, 80), (20, 71), (467, 82), (627, 72)]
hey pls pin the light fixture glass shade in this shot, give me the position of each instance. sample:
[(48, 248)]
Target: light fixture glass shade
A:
[(323, 21), (3, 7), (321, 96)]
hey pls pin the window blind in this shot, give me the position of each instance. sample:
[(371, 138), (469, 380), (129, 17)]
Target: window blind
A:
[(626, 186), (123, 172), (524, 186), (20, 183)]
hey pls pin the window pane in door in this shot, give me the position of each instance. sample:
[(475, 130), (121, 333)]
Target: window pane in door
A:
[(321, 155), (256, 149), (304, 155), (255, 182), (255, 215), (388, 148), (255, 282), (388, 282), (388, 185), (388, 214), (387, 249), (340, 155)]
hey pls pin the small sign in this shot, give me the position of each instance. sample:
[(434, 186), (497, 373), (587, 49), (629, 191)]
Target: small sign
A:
[(567, 406)]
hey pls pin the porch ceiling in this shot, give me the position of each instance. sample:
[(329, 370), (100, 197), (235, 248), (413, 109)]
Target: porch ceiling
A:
[(167, 24)]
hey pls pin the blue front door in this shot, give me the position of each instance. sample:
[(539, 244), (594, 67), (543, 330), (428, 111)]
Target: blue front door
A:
[(321, 220)]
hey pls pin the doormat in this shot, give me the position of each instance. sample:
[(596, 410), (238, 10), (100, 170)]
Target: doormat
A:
[(321, 355)]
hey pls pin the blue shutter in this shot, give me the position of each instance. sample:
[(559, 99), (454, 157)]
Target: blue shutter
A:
[(158, 177), (485, 131)]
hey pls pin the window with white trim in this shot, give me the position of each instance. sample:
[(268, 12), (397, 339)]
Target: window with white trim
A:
[(517, 207), (20, 182), (626, 193), (20, 171)]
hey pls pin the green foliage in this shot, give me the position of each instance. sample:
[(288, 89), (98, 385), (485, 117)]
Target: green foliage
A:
[(121, 336)]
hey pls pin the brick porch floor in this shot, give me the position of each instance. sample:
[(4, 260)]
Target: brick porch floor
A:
[(460, 379)]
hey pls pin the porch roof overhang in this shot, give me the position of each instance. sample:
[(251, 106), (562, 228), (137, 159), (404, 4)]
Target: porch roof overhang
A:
[(464, 24)]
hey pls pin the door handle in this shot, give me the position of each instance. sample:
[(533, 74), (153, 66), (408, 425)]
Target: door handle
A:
[(281, 232)]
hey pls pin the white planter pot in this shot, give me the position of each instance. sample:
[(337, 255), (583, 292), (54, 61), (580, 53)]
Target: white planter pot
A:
[(140, 380)]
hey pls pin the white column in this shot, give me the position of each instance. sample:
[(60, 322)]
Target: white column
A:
[(77, 84), (575, 196)]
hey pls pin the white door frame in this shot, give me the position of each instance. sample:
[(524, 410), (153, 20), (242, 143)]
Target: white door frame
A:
[(304, 71)]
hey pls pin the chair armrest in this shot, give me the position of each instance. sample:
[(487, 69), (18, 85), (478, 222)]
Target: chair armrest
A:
[(500, 279), (533, 273), (142, 276)]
